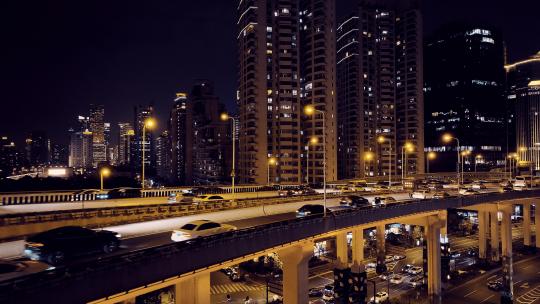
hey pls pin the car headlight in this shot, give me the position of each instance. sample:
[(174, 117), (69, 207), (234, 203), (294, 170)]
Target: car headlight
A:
[(118, 235)]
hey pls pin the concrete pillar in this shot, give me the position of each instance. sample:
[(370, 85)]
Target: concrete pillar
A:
[(358, 250), (433, 236), (483, 224), (494, 227), (194, 289), (527, 224), (381, 248), (537, 223), (295, 273), (506, 240), (342, 251)]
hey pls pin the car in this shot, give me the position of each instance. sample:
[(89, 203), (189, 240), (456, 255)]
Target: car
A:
[(440, 195), (371, 265), (406, 268), (199, 228), (416, 281), (506, 189), (57, 245), (315, 292), (478, 186), (396, 279), (420, 194), (285, 192), (181, 198), (385, 276), (388, 259), (383, 201), (379, 297), (398, 257), (124, 193), (354, 201), (311, 210), (416, 270), (199, 199), (328, 293), (495, 285), (469, 192)]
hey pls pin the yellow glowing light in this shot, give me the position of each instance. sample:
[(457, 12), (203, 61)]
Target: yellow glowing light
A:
[(130, 133), (224, 116), (149, 123), (431, 155), (272, 161), (314, 140), (369, 156), (309, 110), (479, 156), (522, 149), (447, 138), (105, 172), (381, 139)]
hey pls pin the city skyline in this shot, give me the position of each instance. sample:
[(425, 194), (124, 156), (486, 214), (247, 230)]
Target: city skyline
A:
[(133, 65)]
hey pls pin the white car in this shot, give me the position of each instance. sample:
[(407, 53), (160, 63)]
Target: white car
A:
[(416, 270), (379, 297), (396, 279), (199, 228), (207, 199), (420, 194)]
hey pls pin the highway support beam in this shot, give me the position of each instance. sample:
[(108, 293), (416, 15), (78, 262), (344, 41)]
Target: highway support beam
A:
[(194, 289), (527, 224), (483, 227), (358, 250), (381, 248), (537, 223), (494, 235), (433, 236), (342, 250), (507, 268), (295, 272)]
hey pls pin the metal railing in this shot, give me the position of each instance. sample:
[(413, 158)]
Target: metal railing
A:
[(134, 269)]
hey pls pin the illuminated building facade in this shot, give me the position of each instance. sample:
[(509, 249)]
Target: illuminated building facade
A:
[(524, 95), (379, 89), (38, 149), (97, 127), (464, 91), (10, 157), (181, 133), (125, 142), (142, 113)]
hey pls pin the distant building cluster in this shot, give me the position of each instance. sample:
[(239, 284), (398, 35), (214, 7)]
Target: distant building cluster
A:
[(381, 99)]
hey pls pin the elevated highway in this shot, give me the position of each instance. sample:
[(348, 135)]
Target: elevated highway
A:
[(186, 265)]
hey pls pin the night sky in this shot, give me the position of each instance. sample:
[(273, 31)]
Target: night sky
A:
[(59, 56)]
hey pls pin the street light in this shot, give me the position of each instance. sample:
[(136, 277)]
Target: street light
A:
[(381, 139), (148, 123), (430, 156), (407, 147), (271, 161), (476, 159), (104, 172), (312, 141), (448, 138), (368, 157), (226, 117), (310, 110), (463, 154)]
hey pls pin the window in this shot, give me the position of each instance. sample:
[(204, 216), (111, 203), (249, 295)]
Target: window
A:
[(207, 226)]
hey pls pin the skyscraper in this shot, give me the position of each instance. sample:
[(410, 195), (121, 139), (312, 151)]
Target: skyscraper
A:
[(80, 149), (10, 157), (379, 90), (524, 94), (163, 156), (97, 127), (181, 132), (125, 142), (278, 42), (464, 93), (38, 149), (212, 155), (141, 114)]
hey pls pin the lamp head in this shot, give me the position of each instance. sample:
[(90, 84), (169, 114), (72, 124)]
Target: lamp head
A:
[(314, 140), (224, 116), (149, 123), (309, 110), (431, 155), (381, 139), (447, 137), (105, 171)]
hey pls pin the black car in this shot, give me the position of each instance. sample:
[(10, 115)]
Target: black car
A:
[(124, 193), (354, 201), (311, 210), (495, 285), (56, 245)]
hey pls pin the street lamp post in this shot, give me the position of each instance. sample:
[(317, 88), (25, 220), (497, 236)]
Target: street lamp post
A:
[(430, 156), (225, 117), (311, 110), (381, 140), (312, 141), (148, 123), (271, 161), (368, 157), (104, 172), (447, 138), (463, 154), (478, 157), (407, 147)]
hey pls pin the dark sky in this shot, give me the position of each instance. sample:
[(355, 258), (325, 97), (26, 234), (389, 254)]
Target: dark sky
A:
[(59, 56)]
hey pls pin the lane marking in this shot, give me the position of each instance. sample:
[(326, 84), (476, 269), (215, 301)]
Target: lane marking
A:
[(491, 296), (470, 293)]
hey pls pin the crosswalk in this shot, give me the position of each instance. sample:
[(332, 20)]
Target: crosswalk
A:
[(529, 297), (234, 287)]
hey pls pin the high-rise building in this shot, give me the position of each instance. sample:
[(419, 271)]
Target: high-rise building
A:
[(524, 94), (10, 157), (464, 96), (181, 132), (163, 156), (212, 154), (80, 149), (142, 113), (286, 60), (125, 142), (59, 155), (379, 89), (97, 127), (38, 148), (318, 79)]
